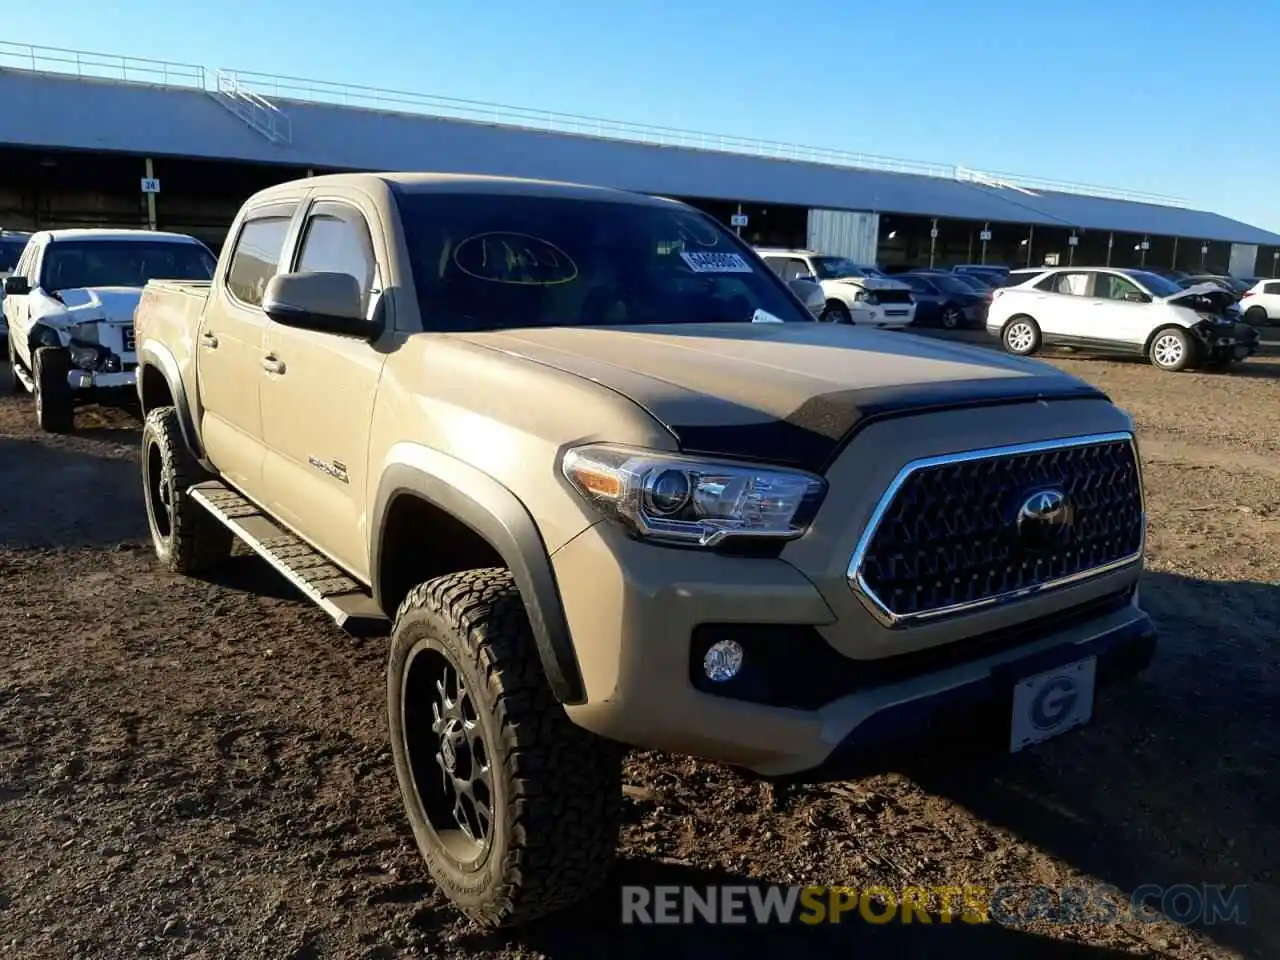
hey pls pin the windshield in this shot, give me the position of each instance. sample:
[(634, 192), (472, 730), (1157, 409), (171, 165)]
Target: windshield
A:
[(1155, 283), (69, 264), (486, 262), (10, 250), (833, 268)]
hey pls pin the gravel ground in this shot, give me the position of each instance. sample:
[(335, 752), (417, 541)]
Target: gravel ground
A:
[(200, 769)]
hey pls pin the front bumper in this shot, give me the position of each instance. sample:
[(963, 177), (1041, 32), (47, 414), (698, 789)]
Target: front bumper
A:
[(888, 316), (636, 633), (95, 380), (1231, 344)]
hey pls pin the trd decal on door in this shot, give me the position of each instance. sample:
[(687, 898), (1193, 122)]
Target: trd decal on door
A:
[(332, 467)]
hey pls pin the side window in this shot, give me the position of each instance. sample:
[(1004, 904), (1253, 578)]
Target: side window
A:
[(1072, 284), (776, 264), (1109, 286), (1273, 287), (336, 240), (257, 257), (795, 268)]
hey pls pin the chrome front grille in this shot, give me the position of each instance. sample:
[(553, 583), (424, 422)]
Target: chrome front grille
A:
[(947, 535)]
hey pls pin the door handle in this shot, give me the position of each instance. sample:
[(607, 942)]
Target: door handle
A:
[(272, 364), (209, 340)]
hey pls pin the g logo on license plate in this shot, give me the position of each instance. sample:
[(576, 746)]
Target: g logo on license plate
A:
[(1054, 703)]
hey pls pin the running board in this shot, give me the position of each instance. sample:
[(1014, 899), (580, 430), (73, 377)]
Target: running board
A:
[(347, 601), (23, 377)]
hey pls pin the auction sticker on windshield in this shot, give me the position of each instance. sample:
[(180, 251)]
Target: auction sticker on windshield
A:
[(716, 263)]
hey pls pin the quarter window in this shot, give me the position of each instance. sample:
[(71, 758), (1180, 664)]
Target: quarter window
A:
[(257, 257), (1272, 288)]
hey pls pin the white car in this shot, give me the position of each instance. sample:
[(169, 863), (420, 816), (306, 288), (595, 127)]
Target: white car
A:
[(11, 246), (1121, 311), (855, 294), (1261, 303), (69, 306)]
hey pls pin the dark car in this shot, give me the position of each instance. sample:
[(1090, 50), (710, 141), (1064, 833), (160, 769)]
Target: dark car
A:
[(993, 273), (979, 284), (1235, 284), (945, 300)]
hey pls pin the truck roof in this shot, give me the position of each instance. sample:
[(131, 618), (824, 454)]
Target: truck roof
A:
[(407, 182)]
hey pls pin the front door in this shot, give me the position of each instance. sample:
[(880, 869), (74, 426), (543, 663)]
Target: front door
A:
[(1124, 314), (229, 349), (317, 401)]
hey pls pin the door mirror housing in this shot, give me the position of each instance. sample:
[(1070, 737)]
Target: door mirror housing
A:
[(327, 302), (16, 286), (810, 293)]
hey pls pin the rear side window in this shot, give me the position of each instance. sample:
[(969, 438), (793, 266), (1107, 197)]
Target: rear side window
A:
[(336, 240), (1273, 287), (257, 257)]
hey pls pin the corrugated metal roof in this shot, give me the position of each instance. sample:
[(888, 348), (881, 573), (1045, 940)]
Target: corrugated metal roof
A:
[(57, 111)]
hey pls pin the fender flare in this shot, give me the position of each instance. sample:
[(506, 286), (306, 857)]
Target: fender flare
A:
[(153, 354), (497, 515)]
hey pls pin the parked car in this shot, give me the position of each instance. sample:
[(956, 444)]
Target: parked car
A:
[(1121, 311), (983, 285), (650, 522), (1233, 284), (12, 244), (855, 294), (996, 272), (1261, 303), (69, 305), (1015, 277), (946, 301)]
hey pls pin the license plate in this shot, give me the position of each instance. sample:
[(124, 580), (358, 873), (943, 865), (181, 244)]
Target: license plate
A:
[(127, 333), (1051, 703)]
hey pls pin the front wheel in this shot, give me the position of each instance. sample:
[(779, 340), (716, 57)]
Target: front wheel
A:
[(1021, 336), (515, 809), (55, 408), (187, 538), (1171, 349), (836, 312)]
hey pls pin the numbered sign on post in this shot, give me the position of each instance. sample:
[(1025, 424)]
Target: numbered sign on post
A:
[(1146, 245), (984, 236), (738, 220), (150, 185), (933, 234), (1073, 240)]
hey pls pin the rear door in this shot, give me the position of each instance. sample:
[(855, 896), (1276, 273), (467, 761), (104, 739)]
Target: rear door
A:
[(229, 346), (1060, 304)]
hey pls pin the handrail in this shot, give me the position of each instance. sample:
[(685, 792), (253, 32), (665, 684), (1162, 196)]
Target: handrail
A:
[(23, 56), (100, 66)]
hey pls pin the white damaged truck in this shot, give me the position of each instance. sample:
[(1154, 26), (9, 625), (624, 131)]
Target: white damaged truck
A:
[(69, 306)]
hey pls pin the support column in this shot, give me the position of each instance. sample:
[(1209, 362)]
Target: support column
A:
[(1173, 264), (151, 197)]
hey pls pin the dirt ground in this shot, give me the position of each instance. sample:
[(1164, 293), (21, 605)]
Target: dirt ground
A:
[(200, 769)]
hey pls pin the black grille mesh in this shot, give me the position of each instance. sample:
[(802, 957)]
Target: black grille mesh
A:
[(949, 537)]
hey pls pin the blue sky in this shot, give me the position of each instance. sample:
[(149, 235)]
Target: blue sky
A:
[(1162, 97)]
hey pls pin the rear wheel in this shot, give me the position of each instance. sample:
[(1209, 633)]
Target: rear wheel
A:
[(836, 312), (1021, 336), (187, 538), (952, 317), (515, 808), (1256, 316), (1171, 349), (55, 411)]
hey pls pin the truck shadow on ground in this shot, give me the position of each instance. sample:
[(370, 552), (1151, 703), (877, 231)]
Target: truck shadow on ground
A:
[(1178, 774), (59, 495)]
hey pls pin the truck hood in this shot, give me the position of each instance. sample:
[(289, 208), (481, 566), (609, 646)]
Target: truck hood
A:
[(782, 392), (89, 304)]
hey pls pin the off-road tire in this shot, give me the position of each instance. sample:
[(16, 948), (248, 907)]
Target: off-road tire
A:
[(1021, 336), (15, 385), (556, 794), (187, 538), (55, 408), (836, 312), (1157, 351)]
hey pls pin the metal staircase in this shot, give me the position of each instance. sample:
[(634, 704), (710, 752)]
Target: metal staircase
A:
[(261, 115)]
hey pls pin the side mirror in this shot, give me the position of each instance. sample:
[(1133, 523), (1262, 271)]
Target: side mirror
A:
[(16, 286), (810, 293), (1136, 297), (327, 302)]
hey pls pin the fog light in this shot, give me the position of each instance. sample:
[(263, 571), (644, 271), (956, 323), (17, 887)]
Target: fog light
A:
[(723, 660)]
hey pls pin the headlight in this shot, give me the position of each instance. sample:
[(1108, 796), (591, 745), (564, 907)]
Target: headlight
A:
[(85, 356), (84, 332), (678, 499)]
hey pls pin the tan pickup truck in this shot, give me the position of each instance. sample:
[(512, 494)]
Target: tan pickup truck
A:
[(606, 483)]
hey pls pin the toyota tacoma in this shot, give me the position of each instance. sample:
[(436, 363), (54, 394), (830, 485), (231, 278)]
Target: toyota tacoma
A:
[(605, 482)]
